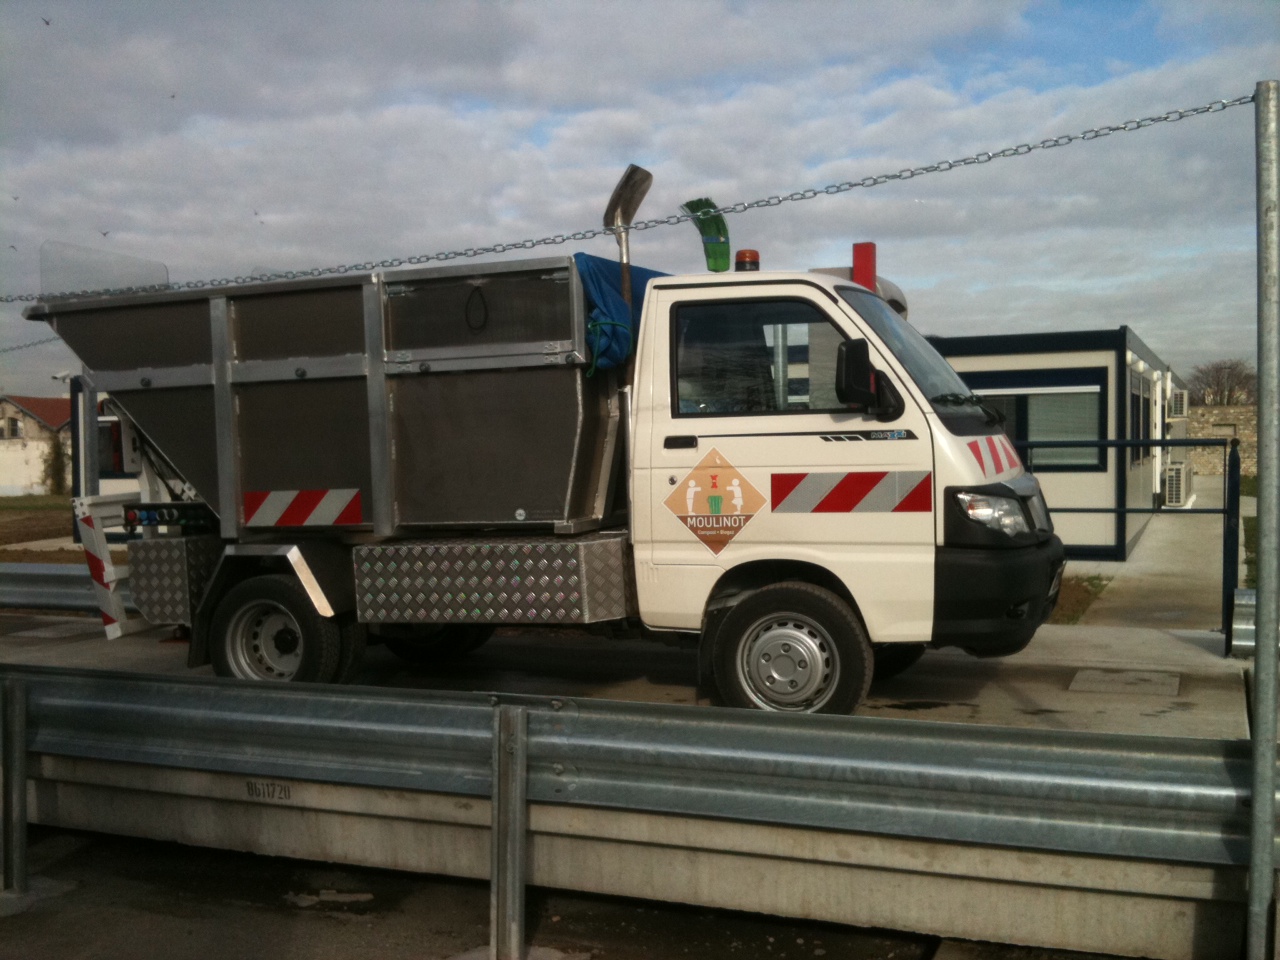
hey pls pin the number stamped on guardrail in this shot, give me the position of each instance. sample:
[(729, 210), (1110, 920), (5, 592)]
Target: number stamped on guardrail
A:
[(267, 790)]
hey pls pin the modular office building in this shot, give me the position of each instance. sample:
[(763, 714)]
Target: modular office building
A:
[(1088, 386)]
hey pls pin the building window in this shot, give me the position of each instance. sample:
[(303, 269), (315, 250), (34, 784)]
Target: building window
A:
[(1139, 417), (1050, 405), (13, 428)]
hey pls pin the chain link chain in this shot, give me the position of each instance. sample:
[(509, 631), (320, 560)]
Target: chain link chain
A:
[(943, 166), (33, 343)]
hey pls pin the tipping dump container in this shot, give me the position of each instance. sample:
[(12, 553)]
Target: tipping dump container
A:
[(394, 402)]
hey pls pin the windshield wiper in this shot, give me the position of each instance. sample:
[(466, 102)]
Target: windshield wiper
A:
[(955, 399), (993, 415)]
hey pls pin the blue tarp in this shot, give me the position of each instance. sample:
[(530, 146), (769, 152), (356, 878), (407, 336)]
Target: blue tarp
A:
[(611, 332)]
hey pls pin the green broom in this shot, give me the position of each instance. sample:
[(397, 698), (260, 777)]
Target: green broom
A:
[(714, 231)]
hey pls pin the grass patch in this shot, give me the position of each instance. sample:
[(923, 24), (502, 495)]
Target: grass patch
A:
[(36, 502), (1076, 596), (1248, 486)]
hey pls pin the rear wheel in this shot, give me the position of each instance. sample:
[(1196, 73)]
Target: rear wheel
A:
[(792, 648), (355, 637), (266, 628)]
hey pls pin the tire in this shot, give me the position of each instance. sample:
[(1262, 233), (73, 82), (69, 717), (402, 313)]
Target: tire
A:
[(266, 628), (441, 645), (892, 659), (792, 648), (355, 637)]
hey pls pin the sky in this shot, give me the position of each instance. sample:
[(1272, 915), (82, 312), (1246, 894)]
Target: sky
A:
[(227, 138)]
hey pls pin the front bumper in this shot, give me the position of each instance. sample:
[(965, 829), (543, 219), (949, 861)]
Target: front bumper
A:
[(991, 602)]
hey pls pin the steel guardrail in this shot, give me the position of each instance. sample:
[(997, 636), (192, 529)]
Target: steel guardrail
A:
[(1156, 798), (52, 586)]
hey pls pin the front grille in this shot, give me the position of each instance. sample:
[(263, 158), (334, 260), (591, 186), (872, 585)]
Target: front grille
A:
[(1039, 513)]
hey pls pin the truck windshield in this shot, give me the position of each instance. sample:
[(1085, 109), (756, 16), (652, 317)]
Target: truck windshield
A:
[(948, 394)]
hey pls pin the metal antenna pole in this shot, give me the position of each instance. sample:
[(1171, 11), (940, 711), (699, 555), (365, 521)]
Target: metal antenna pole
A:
[(1262, 858)]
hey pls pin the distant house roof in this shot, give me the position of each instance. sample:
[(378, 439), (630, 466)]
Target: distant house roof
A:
[(52, 412)]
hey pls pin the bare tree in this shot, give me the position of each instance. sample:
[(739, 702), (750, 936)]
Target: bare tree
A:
[(1223, 383)]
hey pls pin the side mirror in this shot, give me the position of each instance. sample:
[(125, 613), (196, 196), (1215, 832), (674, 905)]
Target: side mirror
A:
[(855, 380), (859, 385)]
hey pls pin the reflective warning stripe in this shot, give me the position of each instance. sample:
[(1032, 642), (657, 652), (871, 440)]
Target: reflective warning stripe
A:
[(1011, 454), (101, 571), (302, 508), (994, 454), (873, 491)]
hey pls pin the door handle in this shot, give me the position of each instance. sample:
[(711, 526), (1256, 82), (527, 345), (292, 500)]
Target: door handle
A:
[(680, 443)]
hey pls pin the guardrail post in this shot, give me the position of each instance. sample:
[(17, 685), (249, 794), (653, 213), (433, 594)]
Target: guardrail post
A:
[(508, 838), (1231, 542), (1266, 106), (13, 758)]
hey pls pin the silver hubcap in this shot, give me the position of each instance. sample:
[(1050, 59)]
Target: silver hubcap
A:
[(264, 642), (788, 662)]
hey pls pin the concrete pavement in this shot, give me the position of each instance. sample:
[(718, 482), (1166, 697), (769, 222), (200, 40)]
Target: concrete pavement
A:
[(1146, 658)]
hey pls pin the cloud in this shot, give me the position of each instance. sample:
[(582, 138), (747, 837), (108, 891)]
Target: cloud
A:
[(353, 134)]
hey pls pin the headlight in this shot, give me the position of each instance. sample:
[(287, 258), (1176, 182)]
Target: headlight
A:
[(999, 513)]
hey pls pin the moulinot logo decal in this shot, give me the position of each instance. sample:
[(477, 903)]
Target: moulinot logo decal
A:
[(715, 501)]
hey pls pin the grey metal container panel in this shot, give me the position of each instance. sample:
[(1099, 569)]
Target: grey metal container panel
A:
[(496, 446), (170, 334), (304, 435), (499, 580), (180, 423), (168, 575), (298, 323), (495, 305)]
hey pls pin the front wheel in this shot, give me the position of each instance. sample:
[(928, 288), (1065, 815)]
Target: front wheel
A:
[(792, 648), (266, 628)]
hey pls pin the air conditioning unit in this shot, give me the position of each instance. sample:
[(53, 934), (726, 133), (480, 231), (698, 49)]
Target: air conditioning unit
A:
[(1177, 404), (1177, 485)]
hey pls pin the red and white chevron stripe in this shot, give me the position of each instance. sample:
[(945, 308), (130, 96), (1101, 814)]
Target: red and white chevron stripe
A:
[(302, 508), (97, 555), (995, 455), (872, 491)]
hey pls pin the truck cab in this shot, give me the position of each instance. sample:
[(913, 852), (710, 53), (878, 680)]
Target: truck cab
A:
[(812, 483)]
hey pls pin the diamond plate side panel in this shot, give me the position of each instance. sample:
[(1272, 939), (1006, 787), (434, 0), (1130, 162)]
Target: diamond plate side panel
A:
[(508, 580), (168, 575), (607, 589)]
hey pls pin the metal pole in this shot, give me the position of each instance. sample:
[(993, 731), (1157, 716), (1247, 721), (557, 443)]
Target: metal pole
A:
[(1262, 845), (1231, 543), (507, 843), (14, 762), (624, 257)]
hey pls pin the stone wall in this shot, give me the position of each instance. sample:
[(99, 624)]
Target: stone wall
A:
[(1240, 422)]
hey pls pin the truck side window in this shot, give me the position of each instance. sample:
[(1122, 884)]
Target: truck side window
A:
[(753, 356)]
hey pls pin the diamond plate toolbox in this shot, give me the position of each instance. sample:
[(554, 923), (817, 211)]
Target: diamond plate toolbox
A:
[(501, 580), (168, 575)]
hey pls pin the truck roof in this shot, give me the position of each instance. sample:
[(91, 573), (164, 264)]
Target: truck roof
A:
[(825, 281)]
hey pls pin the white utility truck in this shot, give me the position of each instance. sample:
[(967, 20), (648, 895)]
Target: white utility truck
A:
[(775, 464)]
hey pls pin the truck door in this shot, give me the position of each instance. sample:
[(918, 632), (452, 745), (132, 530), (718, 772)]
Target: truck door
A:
[(751, 458)]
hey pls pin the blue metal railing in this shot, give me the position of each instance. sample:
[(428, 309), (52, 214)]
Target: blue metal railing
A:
[(1230, 510)]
